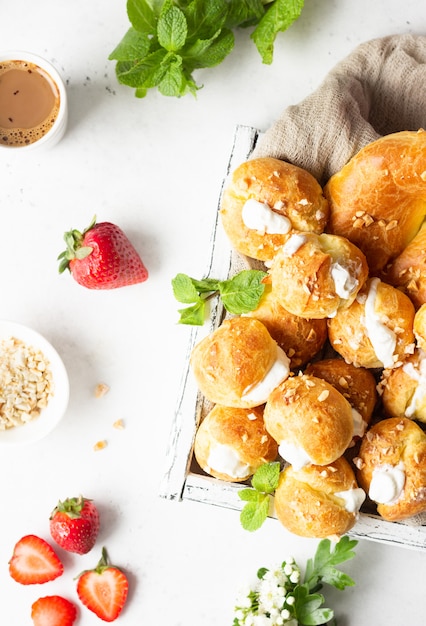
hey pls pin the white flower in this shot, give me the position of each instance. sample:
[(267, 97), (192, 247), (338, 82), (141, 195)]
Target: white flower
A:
[(295, 576)]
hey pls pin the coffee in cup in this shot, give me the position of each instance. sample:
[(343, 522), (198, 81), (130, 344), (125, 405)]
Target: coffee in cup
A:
[(32, 101)]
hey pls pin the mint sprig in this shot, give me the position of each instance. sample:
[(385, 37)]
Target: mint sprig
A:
[(169, 39), (264, 482), (239, 294)]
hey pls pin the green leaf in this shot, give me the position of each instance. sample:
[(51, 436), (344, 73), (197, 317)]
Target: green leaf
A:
[(193, 315), (255, 513), (249, 495), (266, 478), (173, 81), (211, 52), (244, 13), (172, 29), (132, 47), (279, 16), (184, 290), (242, 293), (205, 18), (206, 284), (141, 74), (143, 14), (321, 569)]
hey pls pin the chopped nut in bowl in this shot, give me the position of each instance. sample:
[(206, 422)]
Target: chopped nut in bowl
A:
[(34, 386)]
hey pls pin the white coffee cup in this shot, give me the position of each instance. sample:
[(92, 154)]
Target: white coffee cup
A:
[(57, 129)]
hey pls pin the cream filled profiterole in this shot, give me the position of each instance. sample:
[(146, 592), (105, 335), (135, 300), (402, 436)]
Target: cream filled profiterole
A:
[(392, 468), (239, 364), (318, 501), (231, 444), (376, 331), (264, 200), (314, 276), (310, 420)]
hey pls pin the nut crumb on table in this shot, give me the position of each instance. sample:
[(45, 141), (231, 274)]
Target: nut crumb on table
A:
[(101, 390), (26, 383)]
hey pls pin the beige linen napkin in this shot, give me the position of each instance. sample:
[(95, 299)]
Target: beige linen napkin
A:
[(380, 88)]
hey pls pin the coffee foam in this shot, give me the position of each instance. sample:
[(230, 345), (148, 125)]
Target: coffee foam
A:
[(18, 137)]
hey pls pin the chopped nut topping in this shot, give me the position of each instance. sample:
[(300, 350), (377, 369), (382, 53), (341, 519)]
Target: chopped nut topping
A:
[(101, 390), (26, 383), (323, 395), (100, 445), (391, 225)]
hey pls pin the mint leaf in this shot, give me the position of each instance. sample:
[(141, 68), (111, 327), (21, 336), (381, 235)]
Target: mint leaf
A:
[(201, 31), (244, 13), (184, 290), (205, 18), (172, 29), (278, 17), (255, 513), (242, 293), (265, 479), (132, 47), (143, 14), (193, 315)]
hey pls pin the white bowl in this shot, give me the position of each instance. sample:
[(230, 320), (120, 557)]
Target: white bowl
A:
[(50, 416)]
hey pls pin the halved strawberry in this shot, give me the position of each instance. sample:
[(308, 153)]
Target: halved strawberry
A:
[(34, 561), (103, 590), (74, 524), (53, 611)]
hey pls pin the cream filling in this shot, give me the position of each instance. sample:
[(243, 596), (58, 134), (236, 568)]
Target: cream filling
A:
[(419, 375), (260, 217), (353, 499), (225, 460), (360, 425), (259, 393), (382, 338), (295, 455), (293, 243), (387, 483), (344, 283)]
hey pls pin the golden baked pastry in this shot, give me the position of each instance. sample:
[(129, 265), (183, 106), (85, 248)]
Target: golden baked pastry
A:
[(404, 388), (239, 363), (264, 200), (318, 501), (392, 468), (300, 338), (408, 270), (419, 327), (377, 329), (314, 276), (378, 199), (356, 384), (310, 420), (231, 444)]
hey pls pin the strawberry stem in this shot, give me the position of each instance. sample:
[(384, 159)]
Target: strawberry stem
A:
[(74, 246)]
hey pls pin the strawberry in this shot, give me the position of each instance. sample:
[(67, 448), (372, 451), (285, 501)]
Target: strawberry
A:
[(103, 590), (53, 611), (102, 257), (74, 524), (34, 561)]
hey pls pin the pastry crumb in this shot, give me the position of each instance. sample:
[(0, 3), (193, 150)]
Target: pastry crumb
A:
[(118, 424)]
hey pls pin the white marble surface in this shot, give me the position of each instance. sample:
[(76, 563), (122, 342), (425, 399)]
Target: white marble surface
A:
[(154, 167)]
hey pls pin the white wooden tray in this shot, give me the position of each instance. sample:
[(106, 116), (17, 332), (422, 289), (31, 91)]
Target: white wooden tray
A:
[(182, 478)]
